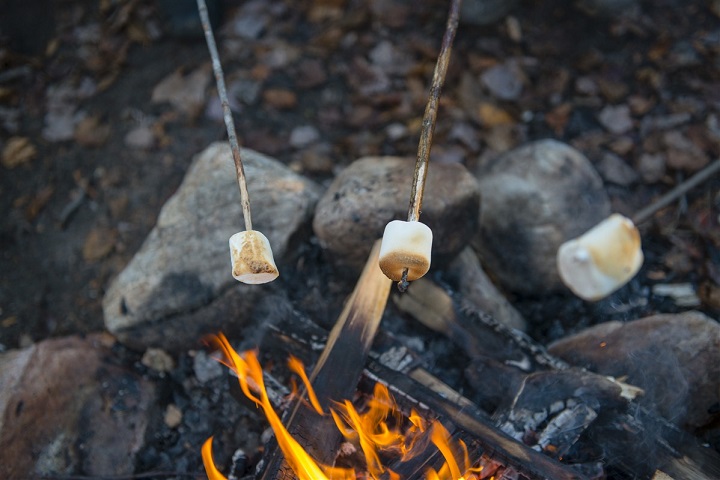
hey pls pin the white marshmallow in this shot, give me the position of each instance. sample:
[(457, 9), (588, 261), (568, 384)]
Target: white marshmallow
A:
[(405, 245), (251, 258), (602, 260)]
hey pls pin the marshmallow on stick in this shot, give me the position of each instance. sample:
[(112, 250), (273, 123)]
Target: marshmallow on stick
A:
[(251, 258), (250, 253), (602, 260), (405, 246)]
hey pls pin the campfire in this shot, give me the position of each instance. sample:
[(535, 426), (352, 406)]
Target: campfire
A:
[(379, 430), (332, 429)]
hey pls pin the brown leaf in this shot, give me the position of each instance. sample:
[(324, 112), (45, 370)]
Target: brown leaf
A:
[(280, 98), (98, 243), (17, 151), (38, 202), (90, 132), (185, 93), (491, 115), (557, 118)]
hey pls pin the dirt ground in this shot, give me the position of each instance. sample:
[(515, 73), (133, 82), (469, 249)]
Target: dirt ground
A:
[(76, 206)]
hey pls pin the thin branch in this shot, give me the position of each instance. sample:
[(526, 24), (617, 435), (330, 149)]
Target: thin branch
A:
[(428, 125), (678, 191), (227, 114)]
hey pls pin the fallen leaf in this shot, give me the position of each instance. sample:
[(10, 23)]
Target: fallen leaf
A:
[(98, 244), (17, 151), (9, 321), (280, 98), (682, 153), (491, 116), (558, 117), (90, 132), (184, 92), (38, 202), (6, 93)]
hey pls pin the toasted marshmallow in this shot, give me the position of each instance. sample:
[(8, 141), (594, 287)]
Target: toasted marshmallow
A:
[(602, 260), (251, 258), (405, 245)]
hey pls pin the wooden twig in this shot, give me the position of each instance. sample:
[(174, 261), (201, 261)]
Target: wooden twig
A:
[(440, 399), (338, 369), (227, 113), (681, 189), (428, 125)]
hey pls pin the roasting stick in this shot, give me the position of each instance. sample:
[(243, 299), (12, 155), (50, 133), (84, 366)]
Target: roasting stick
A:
[(250, 252), (407, 246), (680, 190)]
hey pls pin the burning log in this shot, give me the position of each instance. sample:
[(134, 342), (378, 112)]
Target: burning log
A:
[(542, 398), (416, 388), (338, 369)]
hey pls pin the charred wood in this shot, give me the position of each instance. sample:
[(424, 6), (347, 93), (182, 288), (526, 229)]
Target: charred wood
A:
[(337, 371), (550, 398)]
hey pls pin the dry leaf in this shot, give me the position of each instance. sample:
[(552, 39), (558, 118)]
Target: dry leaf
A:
[(91, 133), (491, 116), (17, 151), (98, 244), (186, 93), (280, 98), (38, 202)]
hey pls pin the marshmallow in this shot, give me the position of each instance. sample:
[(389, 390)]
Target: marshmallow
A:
[(602, 260), (251, 258), (405, 245)]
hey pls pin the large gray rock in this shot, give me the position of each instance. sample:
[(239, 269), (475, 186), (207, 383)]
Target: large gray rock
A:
[(675, 358), (476, 288), (372, 191), (179, 287), (533, 199), (65, 409)]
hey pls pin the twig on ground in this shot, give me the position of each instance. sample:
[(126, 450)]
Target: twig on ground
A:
[(227, 113), (680, 190)]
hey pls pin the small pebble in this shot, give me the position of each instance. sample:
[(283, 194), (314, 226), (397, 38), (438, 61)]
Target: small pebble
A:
[(303, 136), (504, 81), (396, 131), (206, 368), (651, 167), (141, 138), (173, 416), (158, 360), (613, 169), (279, 98), (616, 119)]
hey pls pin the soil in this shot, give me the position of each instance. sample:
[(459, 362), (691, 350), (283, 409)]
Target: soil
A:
[(59, 253), (52, 280)]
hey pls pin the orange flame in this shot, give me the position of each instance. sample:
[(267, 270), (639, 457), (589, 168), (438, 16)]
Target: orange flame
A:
[(378, 430)]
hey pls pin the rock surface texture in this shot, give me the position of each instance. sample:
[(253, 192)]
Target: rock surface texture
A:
[(66, 409), (675, 358), (533, 199), (179, 286), (372, 191)]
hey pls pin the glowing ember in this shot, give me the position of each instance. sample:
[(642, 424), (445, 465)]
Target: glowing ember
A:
[(381, 430)]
